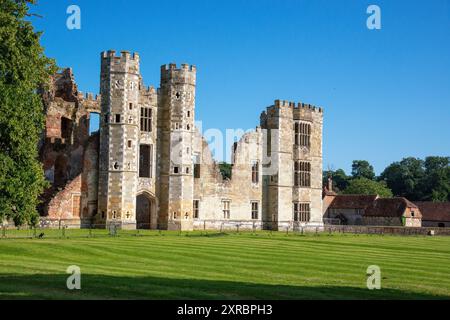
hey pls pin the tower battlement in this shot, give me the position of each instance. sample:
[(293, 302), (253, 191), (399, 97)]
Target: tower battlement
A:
[(124, 62), (124, 55), (173, 66), (184, 74), (295, 107)]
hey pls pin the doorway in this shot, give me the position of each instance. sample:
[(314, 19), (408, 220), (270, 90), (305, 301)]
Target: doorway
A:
[(145, 210)]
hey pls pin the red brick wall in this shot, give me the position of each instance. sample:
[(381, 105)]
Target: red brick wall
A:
[(67, 203)]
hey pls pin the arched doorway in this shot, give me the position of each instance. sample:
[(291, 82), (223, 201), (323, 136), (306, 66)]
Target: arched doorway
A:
[(145, 211)]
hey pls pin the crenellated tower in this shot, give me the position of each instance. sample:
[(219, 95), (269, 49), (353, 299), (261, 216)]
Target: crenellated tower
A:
[(119, 136), (176, 111), (293, 169)]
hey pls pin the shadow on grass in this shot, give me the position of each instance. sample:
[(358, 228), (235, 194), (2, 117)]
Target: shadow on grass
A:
[(53, 286)]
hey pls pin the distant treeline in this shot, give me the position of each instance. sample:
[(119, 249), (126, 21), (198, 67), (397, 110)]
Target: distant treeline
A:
[(412, 178)]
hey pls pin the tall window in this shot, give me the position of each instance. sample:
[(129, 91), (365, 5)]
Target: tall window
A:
[(255, 172), (196, 208), (196, 166), (66, 128), (145, 160), (146, 119), (302, 174), (255, 210), (226, 209), (302, 134), (302, 212)]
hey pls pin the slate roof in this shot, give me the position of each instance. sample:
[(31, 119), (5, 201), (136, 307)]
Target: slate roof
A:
[(352, 201), (390, 207), (434, 211)]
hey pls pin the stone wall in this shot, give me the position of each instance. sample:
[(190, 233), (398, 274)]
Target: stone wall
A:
[(351, 216), (431, 223), (392, 221)]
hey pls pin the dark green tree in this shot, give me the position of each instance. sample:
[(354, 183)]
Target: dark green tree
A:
[(405, 178), (436, 183), (368, 187), (339, 177), (362, 169), (23, 69), (225, 170)]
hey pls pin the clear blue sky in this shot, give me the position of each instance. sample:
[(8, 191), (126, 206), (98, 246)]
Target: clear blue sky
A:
[(386, 93)]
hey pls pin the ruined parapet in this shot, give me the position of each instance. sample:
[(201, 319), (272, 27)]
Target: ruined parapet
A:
[(150, 90), (148, 97), (90, 102)]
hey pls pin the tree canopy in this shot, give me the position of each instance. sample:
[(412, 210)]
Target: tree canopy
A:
[(362, 169), (412, 178), (23, 69), (368, 187), (225, 170)]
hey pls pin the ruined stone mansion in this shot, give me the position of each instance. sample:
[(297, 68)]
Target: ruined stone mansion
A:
[(150, 167)]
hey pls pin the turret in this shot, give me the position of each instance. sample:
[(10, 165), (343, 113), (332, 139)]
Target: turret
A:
[(119, 132), (175, 140)]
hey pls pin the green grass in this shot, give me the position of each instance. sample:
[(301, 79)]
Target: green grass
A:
[(226, 266)]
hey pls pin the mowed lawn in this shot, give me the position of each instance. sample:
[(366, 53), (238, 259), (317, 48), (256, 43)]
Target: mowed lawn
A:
[(226, 266)]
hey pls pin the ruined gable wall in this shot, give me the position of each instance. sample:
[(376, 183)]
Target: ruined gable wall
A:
[(211, 189)]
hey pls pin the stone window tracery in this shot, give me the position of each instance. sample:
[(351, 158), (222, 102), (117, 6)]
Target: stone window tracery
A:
[(302, 212), (302, 134), (302, 174), (146, 119)]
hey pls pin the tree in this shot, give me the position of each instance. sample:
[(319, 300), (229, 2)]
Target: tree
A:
[(23, 68), (368, 187), (225, 170), (436, 183), (404, 178), (339, 177), (362, 169)]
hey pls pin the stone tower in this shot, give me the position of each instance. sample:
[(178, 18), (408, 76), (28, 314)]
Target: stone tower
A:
[(119, 134), (293, 171), (176, 111)]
